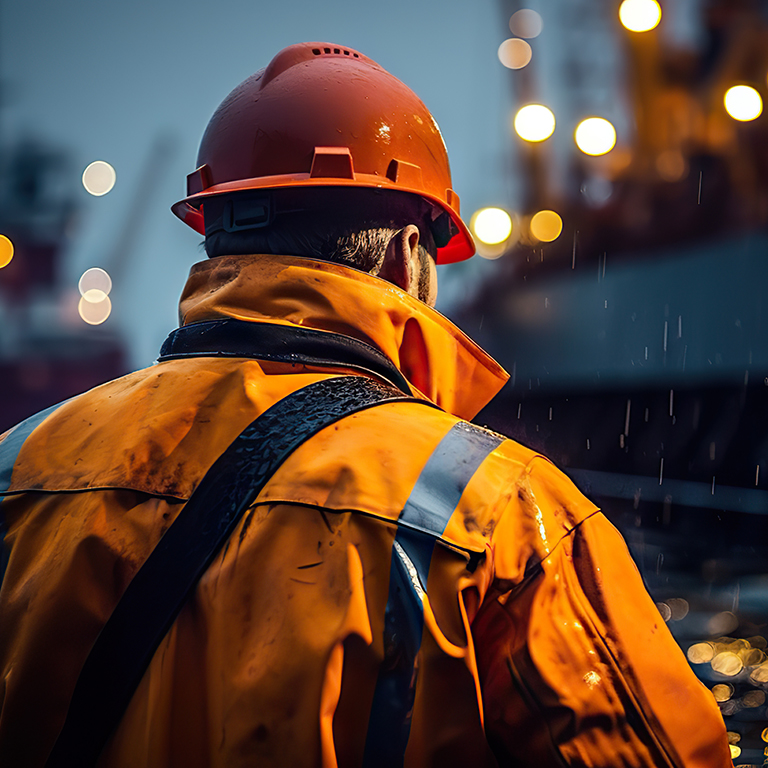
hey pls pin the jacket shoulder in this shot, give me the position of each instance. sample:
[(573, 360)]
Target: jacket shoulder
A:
[(379, 460)]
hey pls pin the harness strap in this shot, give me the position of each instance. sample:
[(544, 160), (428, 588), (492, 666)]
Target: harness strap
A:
[(159, 589)]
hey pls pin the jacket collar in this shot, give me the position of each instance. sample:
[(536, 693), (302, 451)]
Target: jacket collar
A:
[(435, 356)]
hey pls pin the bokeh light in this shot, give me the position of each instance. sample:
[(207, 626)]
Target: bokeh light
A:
[(722, 691), (6, 251), (759, 675), (752, 657), (526, 23), (99, 178), (94, 285), (491, 226), (742, 102), (546, 226), (671, 165), (640, 15), (753, 699), (679, 607), (700, 653), (727, 663), (534, 122), (595, 136), (94, 312), (490, 252), (514, 53), (722, 623), (735, 751)]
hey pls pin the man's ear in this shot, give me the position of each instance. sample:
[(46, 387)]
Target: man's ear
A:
[(402, 258)]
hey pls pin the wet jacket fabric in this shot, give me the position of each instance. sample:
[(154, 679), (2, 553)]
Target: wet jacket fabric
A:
[(534, 641)]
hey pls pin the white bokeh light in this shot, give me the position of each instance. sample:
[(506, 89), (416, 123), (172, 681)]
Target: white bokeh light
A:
[(492, 225), (595, 136), (94, 313), (526, 23), (743, 103), (534, 122), (94, 284), (640, 15), (99, 178)]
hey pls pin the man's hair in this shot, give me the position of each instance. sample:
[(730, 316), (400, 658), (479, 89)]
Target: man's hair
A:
[(352, 227)]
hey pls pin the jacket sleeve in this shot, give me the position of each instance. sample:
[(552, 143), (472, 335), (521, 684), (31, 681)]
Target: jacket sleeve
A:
[(576, 665)]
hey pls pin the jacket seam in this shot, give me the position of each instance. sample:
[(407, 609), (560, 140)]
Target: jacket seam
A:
[(94, 489), (373, 516)]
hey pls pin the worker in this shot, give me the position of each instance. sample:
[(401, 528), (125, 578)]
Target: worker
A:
[(285, 543)]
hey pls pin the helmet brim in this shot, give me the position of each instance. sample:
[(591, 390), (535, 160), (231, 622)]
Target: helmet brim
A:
[(459, 248)]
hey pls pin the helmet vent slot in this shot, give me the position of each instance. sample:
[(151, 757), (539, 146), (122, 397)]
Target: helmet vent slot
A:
[(335, 51)]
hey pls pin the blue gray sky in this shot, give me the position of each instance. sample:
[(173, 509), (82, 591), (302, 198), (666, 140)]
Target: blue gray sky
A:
[(111, 81)]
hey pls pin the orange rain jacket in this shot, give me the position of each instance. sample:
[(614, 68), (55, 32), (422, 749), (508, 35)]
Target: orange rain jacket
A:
[(540, 646)]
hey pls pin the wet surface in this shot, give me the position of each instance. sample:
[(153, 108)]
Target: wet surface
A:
[(681, 473)]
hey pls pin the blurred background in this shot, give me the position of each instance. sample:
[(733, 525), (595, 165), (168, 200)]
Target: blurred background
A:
[(612, 158)]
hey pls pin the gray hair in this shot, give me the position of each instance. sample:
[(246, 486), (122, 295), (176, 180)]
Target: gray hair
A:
[(338, 225)]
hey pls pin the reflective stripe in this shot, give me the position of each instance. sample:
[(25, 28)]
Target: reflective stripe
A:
[(10, 447), (9, 452), (426, 514)]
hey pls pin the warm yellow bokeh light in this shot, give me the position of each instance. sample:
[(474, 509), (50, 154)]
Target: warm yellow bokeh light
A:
[(99, 178), (94, 313), (95, 283), (526, 23), (699, 653), (752, 657), (514, 53), (727, 663), (491, 225), (94, 295), (595, 136), (546, 226), (722, 692), (759, 675), (640, 15), (6, 251), (742, 102), (735, 751), (534, 122), (490, 252)]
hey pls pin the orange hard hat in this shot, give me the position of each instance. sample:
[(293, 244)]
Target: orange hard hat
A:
[(321, 115)]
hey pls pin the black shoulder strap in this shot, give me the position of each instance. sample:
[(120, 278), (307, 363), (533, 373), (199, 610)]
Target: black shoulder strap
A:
[(157, 592)]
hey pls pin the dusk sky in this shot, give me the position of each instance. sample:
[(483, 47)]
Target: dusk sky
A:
[(134, 84)]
